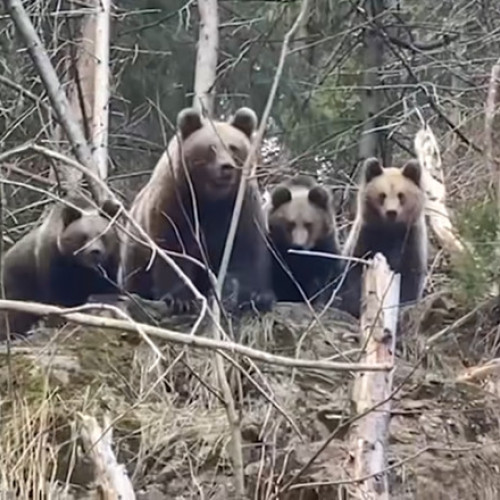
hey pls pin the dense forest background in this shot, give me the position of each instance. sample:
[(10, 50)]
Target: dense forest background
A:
[(360, 78)]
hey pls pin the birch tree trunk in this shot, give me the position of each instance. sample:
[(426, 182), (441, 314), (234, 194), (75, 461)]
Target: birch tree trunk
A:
[(100, 115), (206, 57), (55, 91)]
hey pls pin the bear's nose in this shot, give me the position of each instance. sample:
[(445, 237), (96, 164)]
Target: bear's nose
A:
[(95, 255), (226, 168), (391, 214)]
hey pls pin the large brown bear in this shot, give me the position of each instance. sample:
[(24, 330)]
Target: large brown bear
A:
[(390, 220), (186, 208), (73, 254), (301, 217)]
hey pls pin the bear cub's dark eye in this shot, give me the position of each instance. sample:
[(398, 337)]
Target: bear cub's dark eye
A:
[(382, 197), (401, 197)]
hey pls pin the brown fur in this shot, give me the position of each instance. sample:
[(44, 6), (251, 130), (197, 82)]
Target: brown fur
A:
[(390, 219), (71, 255), (301, 217), (190, 198)]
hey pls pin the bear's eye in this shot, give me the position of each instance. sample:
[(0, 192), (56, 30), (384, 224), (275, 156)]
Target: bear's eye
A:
[(382, 197), (401, 197), (234, 149), (290, 226), (308, 226)]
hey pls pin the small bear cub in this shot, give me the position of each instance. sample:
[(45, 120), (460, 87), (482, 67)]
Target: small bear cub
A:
[(301, 217), (73, 254), (390, 219)]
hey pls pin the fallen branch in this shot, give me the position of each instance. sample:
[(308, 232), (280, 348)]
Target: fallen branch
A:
[(111, 477), (427, 149), (378, 336), (184, 339)]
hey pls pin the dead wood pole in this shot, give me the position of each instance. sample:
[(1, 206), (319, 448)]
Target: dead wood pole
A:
[(492, 163), (206, 57), (54, 90), (378, 337), (429, 157), (100, 114)]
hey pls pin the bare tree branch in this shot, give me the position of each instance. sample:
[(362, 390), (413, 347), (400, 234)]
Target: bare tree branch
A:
[(183, 338)]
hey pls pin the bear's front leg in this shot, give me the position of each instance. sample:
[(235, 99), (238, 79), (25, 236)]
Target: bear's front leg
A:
[(249, 279), (169, 287)]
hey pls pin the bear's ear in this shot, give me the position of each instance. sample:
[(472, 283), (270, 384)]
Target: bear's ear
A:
[(69, 214), (280, 196), (320, 197), (188, 121), (110, 208), (412, 170), (371, 169), (245, 120)]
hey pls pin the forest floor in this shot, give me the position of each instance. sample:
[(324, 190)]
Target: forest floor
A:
[(171, 431)]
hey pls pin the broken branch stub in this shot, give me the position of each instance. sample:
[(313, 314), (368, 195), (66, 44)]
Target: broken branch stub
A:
[(110, 476), (371, 392), (427, 150)]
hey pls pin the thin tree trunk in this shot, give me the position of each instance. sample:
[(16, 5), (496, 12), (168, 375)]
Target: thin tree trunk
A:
[(100, 115), (206, 57)]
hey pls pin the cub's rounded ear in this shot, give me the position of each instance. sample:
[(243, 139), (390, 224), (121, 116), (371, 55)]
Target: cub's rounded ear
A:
[(280, 196), (413, 171), (320, 197), (245, 120), (110, 208), (188, 121), (371, 169), (69, 214)]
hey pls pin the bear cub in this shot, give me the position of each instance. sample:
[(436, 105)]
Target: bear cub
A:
[(73, 254), (390, 219), (186, 208), (301, 217)]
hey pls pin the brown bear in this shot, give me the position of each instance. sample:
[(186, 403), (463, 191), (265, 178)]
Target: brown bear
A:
[(73, 254), (301, 217), (186, 208), (390, 219)]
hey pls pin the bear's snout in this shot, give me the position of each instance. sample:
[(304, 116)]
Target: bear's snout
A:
[(300, 237), (94, 254), (391, 214)]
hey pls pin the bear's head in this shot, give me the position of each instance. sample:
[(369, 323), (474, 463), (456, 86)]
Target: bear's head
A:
[(87, 234), (301, 214), (392, 195), (214, 152)]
